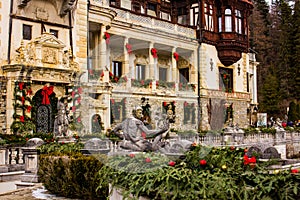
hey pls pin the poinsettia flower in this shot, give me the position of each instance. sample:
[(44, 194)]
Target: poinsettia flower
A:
[(78, 99), (78, 119), (79, 90), (23, 99), (73, 108), (252, 159), (147, 160), (73, 94), (29, 92)]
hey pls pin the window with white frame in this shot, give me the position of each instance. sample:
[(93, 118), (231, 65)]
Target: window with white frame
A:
[(238, 21), (208, 14), (116, 68), (228, 20), (140, 72), (163, 74), (184, 75)]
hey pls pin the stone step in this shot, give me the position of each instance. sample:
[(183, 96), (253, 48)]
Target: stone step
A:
[(11, 176)]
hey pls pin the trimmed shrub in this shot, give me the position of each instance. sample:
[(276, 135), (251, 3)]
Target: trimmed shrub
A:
[(72, 175)]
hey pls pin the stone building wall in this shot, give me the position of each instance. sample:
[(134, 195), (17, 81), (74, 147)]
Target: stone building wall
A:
[(3, 83)]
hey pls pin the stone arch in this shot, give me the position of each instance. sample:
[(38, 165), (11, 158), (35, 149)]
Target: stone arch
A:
[(96, 123), (254, 150), (271, 152)]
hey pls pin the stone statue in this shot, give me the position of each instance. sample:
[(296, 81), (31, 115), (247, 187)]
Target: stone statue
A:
[(135, 134), (61, 122)]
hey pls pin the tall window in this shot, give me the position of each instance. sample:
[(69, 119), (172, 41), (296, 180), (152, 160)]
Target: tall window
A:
[(238, 22), (27, 32), (228, 20), (184, 76), (163, 73), (182, 15), (220, 24), (136, 7), (140, 72), (151, 9), (226, 79), (208, 12), (117, 68)]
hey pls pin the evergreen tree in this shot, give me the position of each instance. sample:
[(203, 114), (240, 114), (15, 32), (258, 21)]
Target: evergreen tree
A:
[(294, 80), (270, 89)]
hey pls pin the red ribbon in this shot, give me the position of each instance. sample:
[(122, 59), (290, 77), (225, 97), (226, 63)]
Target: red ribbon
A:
[(21, 85), (29, 92), (29, 108), (22, 118), (46, 92), (23, 99)]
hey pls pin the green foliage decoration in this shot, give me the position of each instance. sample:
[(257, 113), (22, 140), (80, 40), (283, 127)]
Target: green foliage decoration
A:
[(222, 175)]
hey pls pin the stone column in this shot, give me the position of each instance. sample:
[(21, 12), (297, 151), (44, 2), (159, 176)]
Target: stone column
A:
[(126, 57), (174, 67), (103, 53)]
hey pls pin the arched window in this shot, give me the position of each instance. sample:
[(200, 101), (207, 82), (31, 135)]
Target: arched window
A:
[(228, 20), (238, 21)]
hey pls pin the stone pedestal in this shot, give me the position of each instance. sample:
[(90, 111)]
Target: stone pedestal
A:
[(31, 163)]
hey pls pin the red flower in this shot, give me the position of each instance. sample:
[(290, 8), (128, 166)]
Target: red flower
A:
[(232, 148), (73, 108), (112, 101), (203, 162), (143, 134), (154, 52), (73, 94), (172, 163), (91, 72), (78, 119), (79, 90), (246, 150), (142, 82), (176, 56), (22, 118), (148, 160), (294, 171), (165, 104), (78, 99), (186, 103), (132, 155)]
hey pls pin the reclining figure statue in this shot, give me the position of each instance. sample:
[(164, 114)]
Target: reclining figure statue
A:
[(134, 133)]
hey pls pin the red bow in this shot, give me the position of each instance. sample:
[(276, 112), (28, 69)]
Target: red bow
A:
[(21, 85), (129, 48), (46, 92), (106, 37), (154, 52), (176, 56)]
